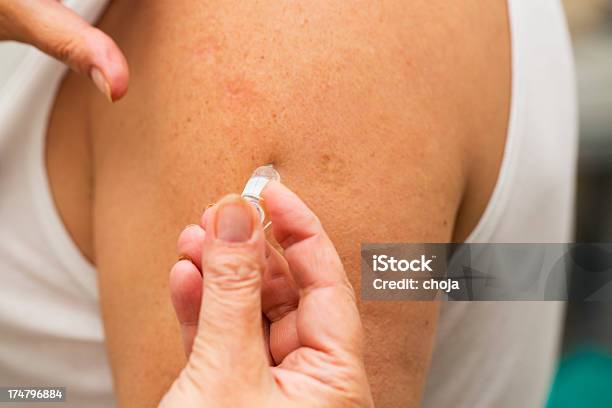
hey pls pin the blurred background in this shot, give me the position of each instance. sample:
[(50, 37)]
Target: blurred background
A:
[(584, 377)]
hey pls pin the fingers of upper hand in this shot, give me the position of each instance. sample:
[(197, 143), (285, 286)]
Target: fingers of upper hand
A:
[(63, 34)]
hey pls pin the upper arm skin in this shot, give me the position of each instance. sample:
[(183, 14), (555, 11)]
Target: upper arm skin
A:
[(365, 109)]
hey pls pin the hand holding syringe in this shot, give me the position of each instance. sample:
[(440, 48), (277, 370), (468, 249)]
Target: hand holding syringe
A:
[(230, 278)]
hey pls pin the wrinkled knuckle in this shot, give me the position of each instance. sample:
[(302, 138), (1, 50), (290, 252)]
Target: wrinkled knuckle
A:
[(65, 48), (70, 49), (234, 272)]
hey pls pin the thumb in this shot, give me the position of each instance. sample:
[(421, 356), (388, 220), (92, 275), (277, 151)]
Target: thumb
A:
[(229, 333), (63, 34)]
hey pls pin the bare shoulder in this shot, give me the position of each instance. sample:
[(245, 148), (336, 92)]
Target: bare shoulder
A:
[(419, 88), (388, 118)]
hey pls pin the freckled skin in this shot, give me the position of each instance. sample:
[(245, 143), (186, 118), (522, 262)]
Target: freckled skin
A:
[(241, 90), (387, 118), (208, 47)]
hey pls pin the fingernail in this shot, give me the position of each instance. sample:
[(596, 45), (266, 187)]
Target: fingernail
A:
[(101, 83), (233, 219)]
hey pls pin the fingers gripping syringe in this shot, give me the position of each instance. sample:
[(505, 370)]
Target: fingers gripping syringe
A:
[(253, 188)]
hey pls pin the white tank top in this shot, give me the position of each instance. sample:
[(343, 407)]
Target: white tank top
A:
[(51, 331), (503, 354), (487, 354)]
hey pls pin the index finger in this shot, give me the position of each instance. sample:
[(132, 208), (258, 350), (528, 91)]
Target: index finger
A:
[(327, 304), (62, 33), (299, 232)]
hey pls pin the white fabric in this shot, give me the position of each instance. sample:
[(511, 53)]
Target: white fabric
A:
[(51, 331), (487, 354), (503, 354)]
